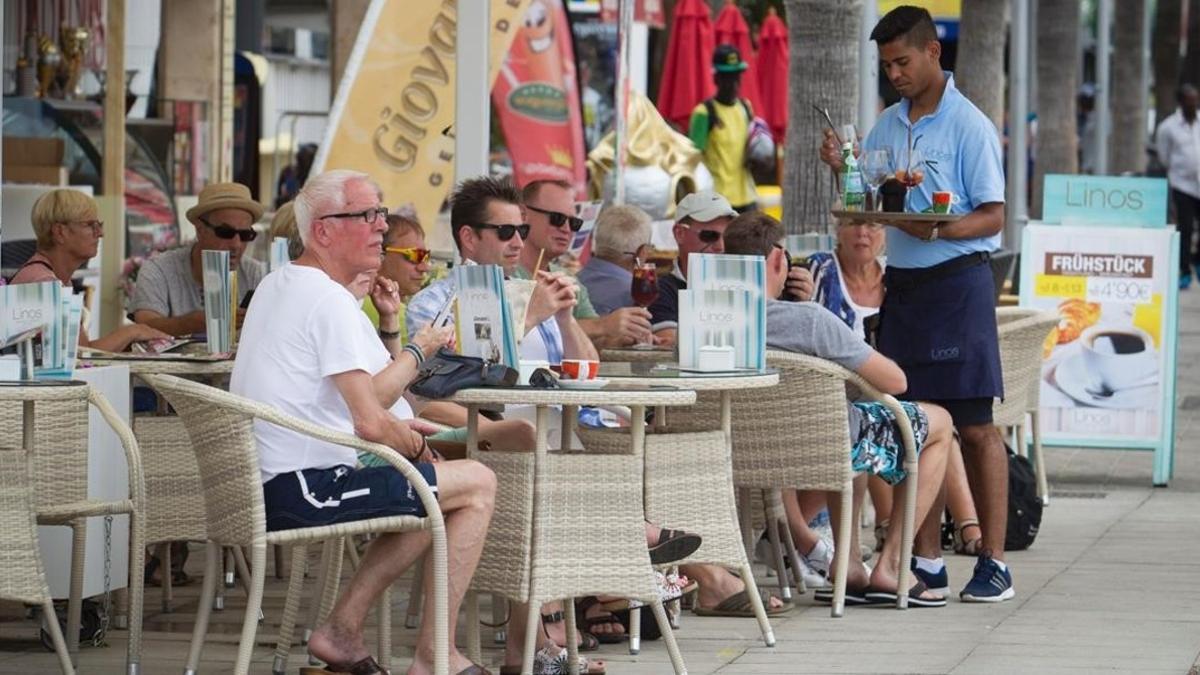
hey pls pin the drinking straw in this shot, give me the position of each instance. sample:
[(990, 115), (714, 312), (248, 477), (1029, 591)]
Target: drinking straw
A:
[(538, 266)]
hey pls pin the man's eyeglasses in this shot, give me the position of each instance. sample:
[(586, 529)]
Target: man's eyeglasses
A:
[(369, 216), (229, 232), (505, 232), (96, 226), (558, 218), (412, 254)]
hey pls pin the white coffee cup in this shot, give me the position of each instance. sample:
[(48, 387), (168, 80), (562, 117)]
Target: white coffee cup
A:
[(527, 368), (1119, 357)]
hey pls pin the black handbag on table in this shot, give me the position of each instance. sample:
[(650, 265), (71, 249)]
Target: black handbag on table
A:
[(446, 372)]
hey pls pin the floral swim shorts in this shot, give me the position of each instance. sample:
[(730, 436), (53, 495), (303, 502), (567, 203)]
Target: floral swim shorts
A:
[(878, 447)]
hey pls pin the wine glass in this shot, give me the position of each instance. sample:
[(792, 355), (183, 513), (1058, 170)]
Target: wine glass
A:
[(644, 289), (912, 174), (876, 165)]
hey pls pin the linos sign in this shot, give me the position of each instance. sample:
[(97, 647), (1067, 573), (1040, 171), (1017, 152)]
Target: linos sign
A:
[(1111, 200)]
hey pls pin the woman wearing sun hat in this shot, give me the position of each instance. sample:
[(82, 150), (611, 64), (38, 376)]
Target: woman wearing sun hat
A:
[(169, 294)]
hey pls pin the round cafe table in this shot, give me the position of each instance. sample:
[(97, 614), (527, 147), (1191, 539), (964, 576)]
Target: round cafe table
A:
[(568, 524), (705, 501)]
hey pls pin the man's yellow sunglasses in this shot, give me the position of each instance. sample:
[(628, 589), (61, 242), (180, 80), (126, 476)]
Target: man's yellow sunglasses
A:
[(413, 255)]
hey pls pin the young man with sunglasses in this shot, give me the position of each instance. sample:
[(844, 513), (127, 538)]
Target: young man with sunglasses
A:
[(488, 229), (549, 208), (170, 286)]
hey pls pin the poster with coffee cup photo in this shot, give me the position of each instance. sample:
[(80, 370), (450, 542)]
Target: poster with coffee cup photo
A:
[(1104, 364)]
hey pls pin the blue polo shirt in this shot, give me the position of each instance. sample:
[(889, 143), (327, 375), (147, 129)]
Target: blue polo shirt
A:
[(962, 155)]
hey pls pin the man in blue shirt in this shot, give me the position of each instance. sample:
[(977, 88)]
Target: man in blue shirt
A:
[(938, 316)]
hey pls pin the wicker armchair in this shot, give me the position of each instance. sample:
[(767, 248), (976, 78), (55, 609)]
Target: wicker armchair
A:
[(59, 438), (220, 426), (1023, 332), (24, 579)]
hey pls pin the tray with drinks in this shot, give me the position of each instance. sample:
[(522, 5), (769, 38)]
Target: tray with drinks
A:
[(893, 217)]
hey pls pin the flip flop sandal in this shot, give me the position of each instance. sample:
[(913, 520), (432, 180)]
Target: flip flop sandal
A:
[(915, 597), (854, 598), (591, 622), (673, 545), (367, 666), (587, 641), (739, 605)]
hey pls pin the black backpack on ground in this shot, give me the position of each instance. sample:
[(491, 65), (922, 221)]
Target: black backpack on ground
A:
[(1024, 507), (1024, 504)]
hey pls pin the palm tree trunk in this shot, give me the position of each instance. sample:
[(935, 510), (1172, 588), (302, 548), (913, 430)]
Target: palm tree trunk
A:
[(823, 71), (1165, 46), (1058, 80), (1191, 61), (979, 70), (1127, 146)]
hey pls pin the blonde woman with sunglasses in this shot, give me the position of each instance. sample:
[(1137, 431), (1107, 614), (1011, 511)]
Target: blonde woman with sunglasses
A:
[(68, 233)]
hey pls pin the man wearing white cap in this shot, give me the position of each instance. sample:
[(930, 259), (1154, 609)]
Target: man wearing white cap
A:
[(169, 294), (700, 222)]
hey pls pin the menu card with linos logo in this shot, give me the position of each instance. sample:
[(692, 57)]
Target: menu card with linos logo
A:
[(720, 318), (483, 322), (28, 307), (731, 273)]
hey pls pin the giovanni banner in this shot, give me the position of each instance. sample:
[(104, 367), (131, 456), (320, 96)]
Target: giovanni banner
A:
[(393, 113), (536, 97)]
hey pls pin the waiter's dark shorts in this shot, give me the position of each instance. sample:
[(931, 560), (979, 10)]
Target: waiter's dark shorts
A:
[(939, 324)]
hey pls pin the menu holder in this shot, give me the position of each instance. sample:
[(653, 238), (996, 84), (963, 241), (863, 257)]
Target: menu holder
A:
[(741, 273), (892, 217), (483, 317), (32, 315), (60, 362), (720, 318), (219, 303), (279, 254)]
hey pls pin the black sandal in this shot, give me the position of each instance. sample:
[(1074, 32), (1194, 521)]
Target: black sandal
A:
[(673, 545), (971, 547), (581, 608), (587, 642)]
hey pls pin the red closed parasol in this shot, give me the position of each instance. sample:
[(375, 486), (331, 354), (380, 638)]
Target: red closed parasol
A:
[(731, 29), (773, 74), (687, 71)]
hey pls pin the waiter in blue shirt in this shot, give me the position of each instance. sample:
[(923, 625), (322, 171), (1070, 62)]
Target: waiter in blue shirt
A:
[(938, 317)]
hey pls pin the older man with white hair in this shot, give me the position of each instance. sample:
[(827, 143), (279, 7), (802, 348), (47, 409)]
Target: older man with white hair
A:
[(621, 238), (308, 350)]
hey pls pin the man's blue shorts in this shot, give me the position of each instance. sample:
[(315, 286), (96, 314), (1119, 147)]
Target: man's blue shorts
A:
[(342, 494)]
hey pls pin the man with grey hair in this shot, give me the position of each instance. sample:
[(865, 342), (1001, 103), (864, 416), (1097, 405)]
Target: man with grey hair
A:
[(308, 350), (621, 238)]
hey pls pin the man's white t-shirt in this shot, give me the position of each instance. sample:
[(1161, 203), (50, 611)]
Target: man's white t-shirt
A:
[(302, 328)]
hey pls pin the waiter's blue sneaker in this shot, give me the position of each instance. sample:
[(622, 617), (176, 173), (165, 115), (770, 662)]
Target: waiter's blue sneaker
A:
[(991, 582), (937, 583), (1185, 280)]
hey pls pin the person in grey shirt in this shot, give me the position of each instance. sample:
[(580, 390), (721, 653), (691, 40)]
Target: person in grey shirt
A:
[(808, 328), (169, 292)]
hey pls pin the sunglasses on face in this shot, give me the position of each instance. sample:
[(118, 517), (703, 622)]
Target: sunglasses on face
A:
[(412, 254), (229, 232), (706, 236), (369, 216), (506, 232), (557, 218)]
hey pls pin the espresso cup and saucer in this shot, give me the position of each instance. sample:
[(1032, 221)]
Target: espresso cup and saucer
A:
[(1116, 367)]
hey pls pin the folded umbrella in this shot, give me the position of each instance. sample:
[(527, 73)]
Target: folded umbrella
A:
[(773, 74), (731, 29), (687, 69)]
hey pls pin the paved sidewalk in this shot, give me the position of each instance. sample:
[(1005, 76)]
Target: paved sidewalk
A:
[(1111, 584)]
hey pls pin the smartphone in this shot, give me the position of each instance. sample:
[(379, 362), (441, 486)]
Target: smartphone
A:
[(246, 300), (794, 261)]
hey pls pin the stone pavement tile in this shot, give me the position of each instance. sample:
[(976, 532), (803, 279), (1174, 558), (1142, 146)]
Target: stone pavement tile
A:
[(1096, 658)]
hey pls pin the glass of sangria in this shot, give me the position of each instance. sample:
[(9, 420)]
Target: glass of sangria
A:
[(644, 290)]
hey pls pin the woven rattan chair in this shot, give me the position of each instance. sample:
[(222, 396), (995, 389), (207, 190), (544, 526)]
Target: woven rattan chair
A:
[(24, 579), (542, 541), (1023, 332), (59, 436), (797, 435), (220, 426)]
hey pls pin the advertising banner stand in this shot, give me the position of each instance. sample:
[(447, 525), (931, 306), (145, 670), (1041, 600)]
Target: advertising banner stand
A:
[(1109, 265)]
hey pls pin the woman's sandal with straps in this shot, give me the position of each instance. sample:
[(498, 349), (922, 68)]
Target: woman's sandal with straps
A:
[(968, 547)]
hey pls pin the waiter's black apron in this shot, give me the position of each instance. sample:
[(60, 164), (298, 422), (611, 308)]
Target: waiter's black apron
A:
[(939, 324)]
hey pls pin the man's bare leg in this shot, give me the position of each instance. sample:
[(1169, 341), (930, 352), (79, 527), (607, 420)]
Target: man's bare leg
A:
[(800, 507), (717, 583), (856, 577), (958, 497), (987, 471), (466, 493)]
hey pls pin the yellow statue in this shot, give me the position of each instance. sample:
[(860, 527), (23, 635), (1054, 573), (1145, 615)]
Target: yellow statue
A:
[(48, 61), (662, 165), (74, 43)]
